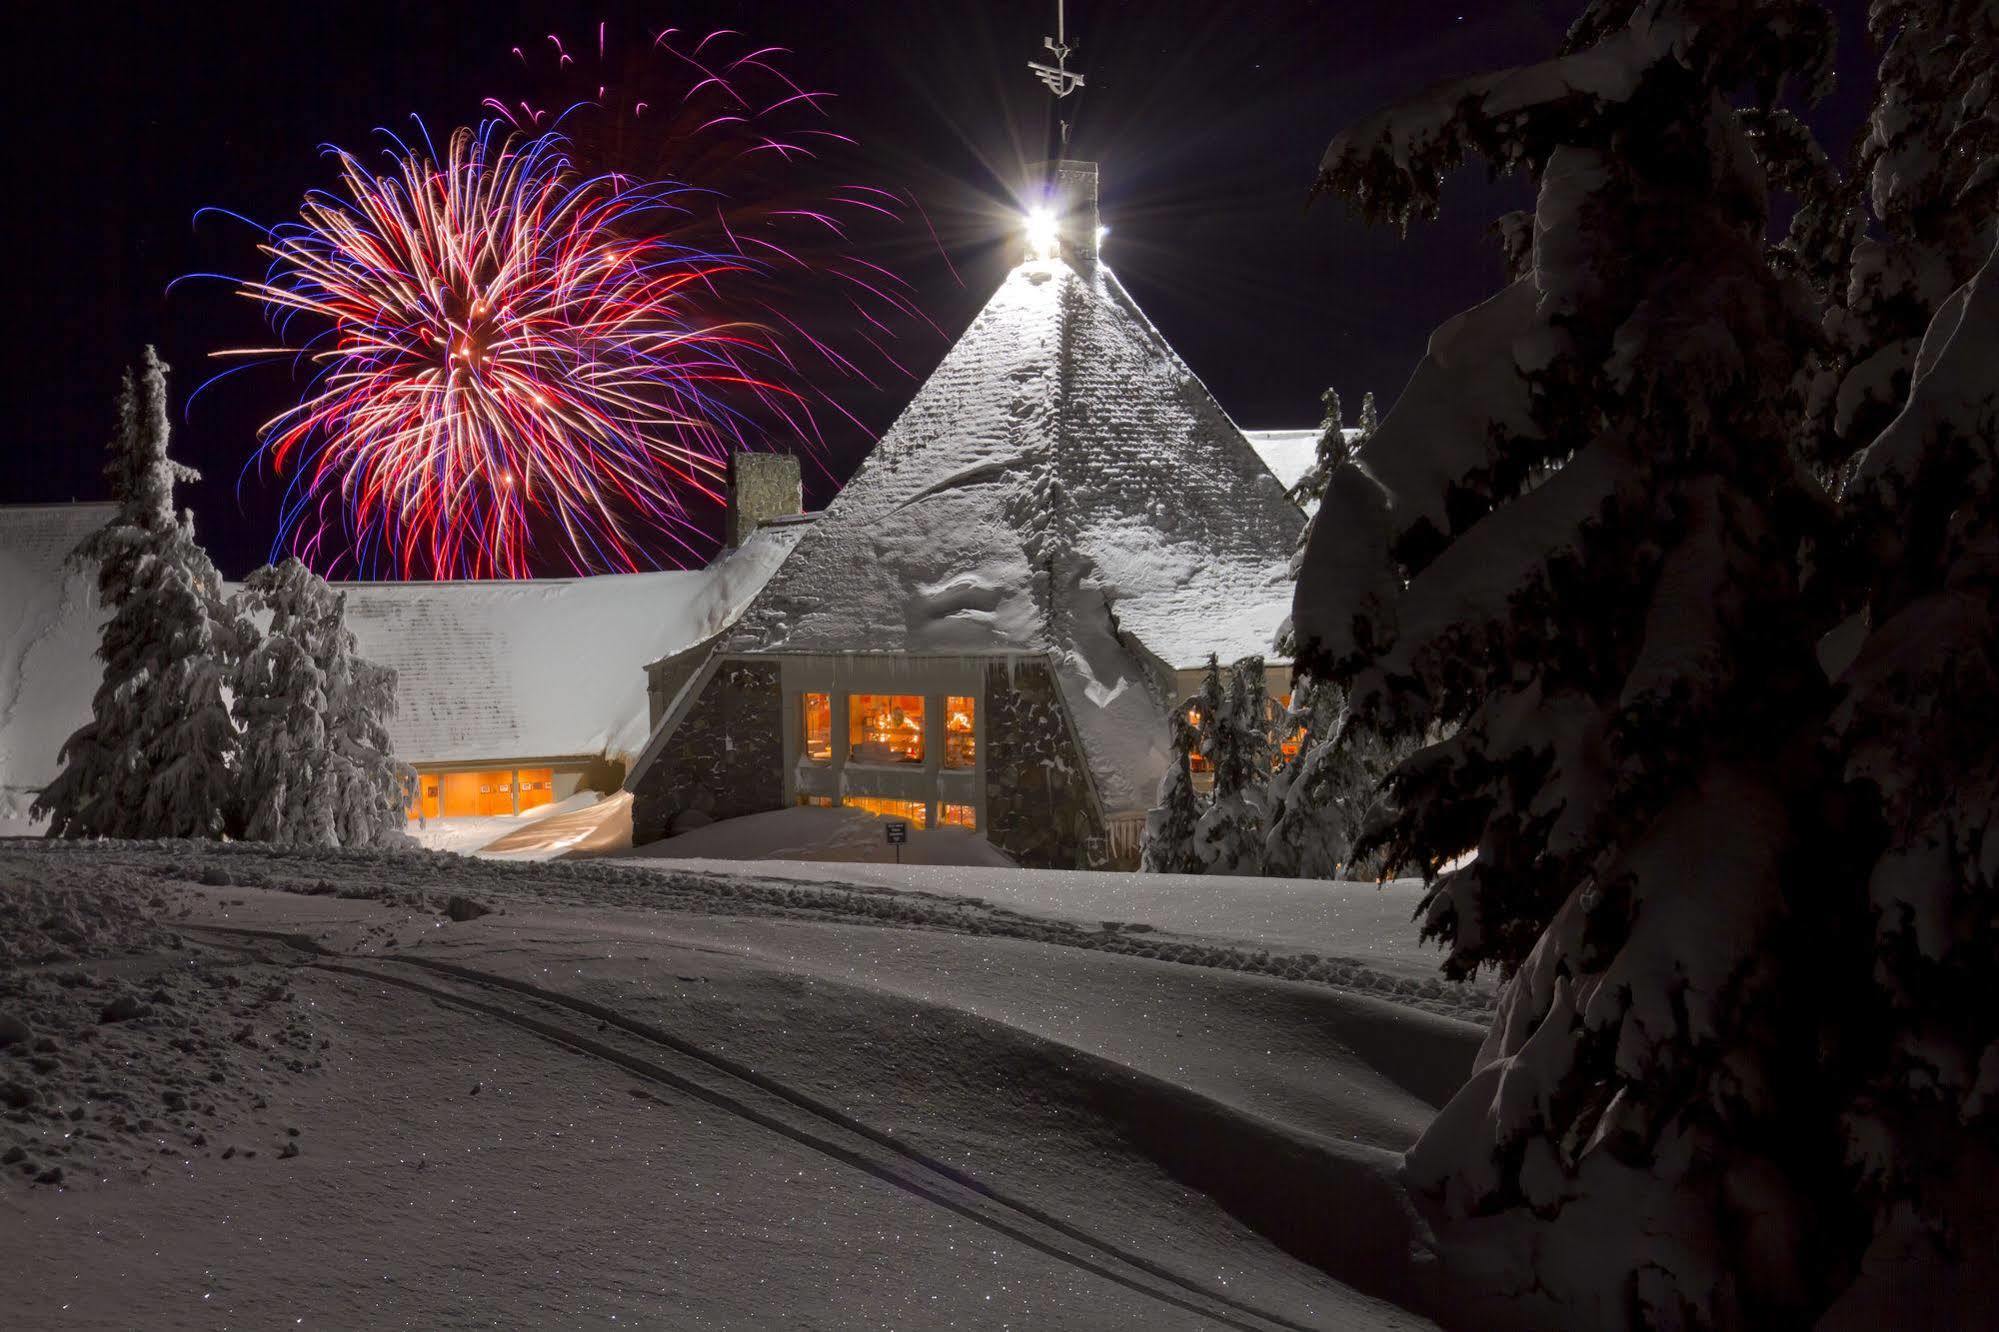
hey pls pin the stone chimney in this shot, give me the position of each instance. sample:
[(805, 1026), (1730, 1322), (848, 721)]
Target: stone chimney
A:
[(762, 487), (1071, 187)]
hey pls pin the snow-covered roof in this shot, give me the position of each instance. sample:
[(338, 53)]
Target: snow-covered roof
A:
[(544, 669), (1288, 454), (548, 668), (1061, 415), (48, 633), (1061, 433)]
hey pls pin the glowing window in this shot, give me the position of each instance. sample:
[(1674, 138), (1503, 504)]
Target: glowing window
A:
[(1289, 742), (885, 728), (428, 797), (537, 787), (961, 745), (1196, 761), (958, 816), (911, 811), (816, 802), (817, 710)]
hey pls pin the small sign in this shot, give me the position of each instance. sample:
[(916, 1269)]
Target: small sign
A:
[(898, 833)]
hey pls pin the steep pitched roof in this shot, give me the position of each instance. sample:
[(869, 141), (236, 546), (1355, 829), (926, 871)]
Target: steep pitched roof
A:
[(1062, 484), (1060, 427)]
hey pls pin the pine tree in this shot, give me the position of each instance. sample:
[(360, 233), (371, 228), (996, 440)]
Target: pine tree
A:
[(1310, 835), (372, 789), (1325, 797), (1925, 172), (1228, 837), (155, 759), (1368, 424), (318, 768), (1916, 726), (281, 690), (1331, 453), (1575, 539), (1169, 826), (1916, 730)]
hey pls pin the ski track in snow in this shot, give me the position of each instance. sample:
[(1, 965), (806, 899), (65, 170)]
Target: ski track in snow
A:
[(1060, 1233)]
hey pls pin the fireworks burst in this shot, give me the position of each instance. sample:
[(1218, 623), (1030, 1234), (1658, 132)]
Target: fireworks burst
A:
[(788, 187), (507, 350), (536, 347)]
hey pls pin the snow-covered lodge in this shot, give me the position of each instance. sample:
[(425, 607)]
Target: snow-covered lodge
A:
[(986, 628)]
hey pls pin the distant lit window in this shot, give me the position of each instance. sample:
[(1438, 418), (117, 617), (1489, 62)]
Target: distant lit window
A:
[(910, 811), (1197, 762), (961, 745), (958, 816), (885, 728), (817, 710), (816, 802), (1290, 738)]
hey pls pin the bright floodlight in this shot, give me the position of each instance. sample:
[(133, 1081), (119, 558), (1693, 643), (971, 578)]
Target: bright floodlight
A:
[(1041, 233)]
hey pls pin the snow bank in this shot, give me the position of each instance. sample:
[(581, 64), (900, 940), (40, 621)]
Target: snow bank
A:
[(814, 834)]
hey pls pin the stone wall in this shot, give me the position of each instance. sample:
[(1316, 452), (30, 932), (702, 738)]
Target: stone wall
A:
[(762, 486), (725, 759), (1040, 806)]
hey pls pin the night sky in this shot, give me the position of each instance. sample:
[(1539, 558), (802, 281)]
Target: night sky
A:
[(1207, 119)]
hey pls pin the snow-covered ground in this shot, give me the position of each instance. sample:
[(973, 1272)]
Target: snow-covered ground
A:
[(1364, 922), (809, 833), (674, 1100)]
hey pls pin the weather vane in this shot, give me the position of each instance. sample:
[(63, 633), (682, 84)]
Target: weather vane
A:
[(1057, 77)]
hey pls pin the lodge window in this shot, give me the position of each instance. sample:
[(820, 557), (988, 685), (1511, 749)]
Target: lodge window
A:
[(1289, 742), (961, 745), (885, 728), (465, 795), (916, 812), (817, 712), (958, 816)]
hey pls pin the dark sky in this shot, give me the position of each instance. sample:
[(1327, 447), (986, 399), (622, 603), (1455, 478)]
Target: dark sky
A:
[(1207, 118)]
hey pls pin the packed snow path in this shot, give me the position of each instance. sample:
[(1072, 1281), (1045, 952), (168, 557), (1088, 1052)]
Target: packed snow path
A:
[(558, 1112)]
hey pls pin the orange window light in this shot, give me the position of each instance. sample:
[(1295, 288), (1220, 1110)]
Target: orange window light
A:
[(885, 728), (961, 744), (958, 816), (817, 726), (913, 811)]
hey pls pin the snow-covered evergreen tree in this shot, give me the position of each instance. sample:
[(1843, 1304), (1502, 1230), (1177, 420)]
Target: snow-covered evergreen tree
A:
[(1575, 538), (155, 759), (372, 789), (1228, 837), (281, 690), (317, 765), (1918, 732), (1310, 836), (1925, 169), (1169, 825), (1331, 452), (1325, 797)]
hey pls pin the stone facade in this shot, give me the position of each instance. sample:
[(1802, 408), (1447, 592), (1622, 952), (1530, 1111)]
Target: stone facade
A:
[(1040, 806), (725, 759), (762, 486)]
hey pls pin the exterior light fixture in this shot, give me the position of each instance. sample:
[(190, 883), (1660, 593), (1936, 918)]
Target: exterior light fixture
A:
[(1042, 233)]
